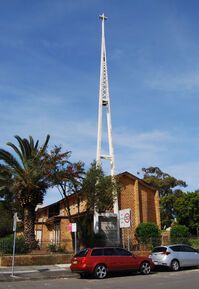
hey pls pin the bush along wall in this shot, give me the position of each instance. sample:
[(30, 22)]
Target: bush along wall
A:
[(148, 234), (6, 245), (179, 234)]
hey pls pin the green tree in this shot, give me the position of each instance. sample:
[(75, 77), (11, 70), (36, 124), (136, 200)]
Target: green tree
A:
[(168, 187), (99, 190), (179, 234), (6, 220), (24, 175), (165, 183), (66, 176), (187, 210)]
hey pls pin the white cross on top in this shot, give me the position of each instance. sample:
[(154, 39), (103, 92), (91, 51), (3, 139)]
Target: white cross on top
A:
[(103, 17)]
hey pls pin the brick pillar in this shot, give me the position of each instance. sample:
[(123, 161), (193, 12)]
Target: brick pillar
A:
[(137, 204), (157, 209)]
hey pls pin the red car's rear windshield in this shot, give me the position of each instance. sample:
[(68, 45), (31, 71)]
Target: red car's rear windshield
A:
[(159, 249), (81, 253)]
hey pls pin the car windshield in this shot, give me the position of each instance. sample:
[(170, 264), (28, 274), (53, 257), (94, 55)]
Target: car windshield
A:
[(159, 249), (81, 253)]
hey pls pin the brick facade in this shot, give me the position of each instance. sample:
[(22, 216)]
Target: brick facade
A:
[(142, 199)]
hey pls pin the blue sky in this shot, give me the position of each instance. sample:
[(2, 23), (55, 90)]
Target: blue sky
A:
[(49, 79)]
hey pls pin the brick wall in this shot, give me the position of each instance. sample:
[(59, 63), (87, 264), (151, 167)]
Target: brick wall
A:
[(28, 260), (142, 200)]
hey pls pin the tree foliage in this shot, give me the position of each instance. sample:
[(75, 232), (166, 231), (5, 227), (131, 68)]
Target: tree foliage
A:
[(148, 233), (174, 203), (6, 219), (169, 190), (6, 245), (24, 178), (99, 190), (187, 210), (165, 183), (66, 176), (179, 234)]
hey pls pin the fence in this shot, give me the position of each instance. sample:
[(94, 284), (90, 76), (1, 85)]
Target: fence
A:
[(6, 245), (149, 244)]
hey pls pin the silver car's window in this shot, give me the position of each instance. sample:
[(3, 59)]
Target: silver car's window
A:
[(177, 248), (159, 249), (188, 249)]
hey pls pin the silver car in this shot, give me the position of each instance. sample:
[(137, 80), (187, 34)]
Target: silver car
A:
[(175, 256)]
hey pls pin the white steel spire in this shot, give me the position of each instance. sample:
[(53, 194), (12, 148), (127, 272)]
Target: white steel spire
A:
[(104, 103)]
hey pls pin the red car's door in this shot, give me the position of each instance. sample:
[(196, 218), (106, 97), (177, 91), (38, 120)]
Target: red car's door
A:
[(126, 259), (96, 257), (112, 259)]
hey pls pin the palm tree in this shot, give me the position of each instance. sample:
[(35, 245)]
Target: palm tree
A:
[(24, 174)]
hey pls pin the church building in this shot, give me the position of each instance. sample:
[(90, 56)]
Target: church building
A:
[(52, 225)]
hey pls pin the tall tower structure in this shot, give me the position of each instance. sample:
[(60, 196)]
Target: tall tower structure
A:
[(104, 105)]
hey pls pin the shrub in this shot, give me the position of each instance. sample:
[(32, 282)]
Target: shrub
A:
[(179, 234), (56, 249), (148, 233), (61, 249), (6, 221), (52, 248), (6, 245), (194, 242)]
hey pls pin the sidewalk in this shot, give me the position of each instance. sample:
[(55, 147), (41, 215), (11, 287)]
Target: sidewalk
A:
[(36, 272)]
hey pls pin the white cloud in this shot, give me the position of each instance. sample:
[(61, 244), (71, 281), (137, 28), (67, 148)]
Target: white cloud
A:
[(143, 140), (186, 171), (187, 81)]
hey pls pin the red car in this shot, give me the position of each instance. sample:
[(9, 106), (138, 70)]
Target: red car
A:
[(100, 261)]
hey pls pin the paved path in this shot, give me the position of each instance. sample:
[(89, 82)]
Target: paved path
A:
[(36, 272)]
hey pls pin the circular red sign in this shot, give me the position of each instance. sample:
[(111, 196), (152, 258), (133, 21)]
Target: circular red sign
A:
[(127, 218)]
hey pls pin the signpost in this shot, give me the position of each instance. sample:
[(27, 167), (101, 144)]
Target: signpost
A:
[(14, 242), (125, 221), (72, 227)]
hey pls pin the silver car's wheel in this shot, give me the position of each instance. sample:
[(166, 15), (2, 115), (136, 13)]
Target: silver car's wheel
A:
[(175, 266), (145, 268), (100, 271)]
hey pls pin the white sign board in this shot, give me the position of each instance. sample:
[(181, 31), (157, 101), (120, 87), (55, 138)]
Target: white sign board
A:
[(14, 222), (125, 218), (73, 227)]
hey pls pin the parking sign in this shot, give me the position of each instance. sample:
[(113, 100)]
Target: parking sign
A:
[(125, 218)]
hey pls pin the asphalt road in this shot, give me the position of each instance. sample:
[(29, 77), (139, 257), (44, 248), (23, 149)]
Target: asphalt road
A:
[(185, 279)]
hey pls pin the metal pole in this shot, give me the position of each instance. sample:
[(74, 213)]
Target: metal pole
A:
[(123, 238), (128, 240), (75, 242), (13, 254)]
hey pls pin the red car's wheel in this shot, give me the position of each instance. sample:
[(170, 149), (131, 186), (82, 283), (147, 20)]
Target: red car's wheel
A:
[(100, 271), (145, 268)]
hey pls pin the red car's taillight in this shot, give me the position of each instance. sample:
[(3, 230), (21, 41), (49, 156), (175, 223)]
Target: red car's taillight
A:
[(78, 260), (83, 260)]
